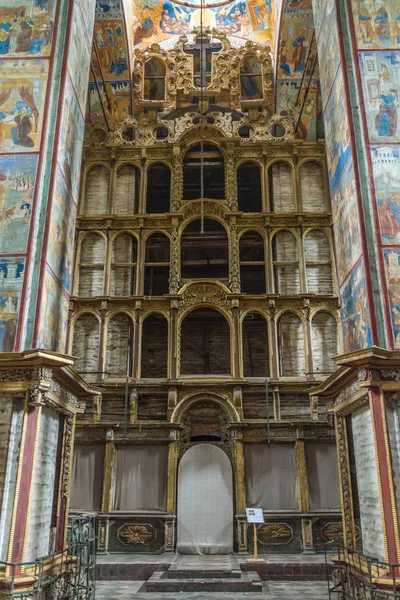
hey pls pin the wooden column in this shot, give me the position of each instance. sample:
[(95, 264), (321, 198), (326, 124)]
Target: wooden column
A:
[(346, 492), (173, 454), (136, 341), (236, 339), (173, 336), (274, 342)]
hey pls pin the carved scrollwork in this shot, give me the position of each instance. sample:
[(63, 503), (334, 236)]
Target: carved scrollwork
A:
[(345, 478), (204, 293), (234, 262), (174, 269), (177, 182)]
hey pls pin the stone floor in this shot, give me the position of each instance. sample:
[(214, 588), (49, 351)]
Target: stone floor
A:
[(168, 558), (128, 590)]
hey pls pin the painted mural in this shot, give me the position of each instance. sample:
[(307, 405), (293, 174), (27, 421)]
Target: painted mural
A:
[(87, 8), (17, 184), (111, 49), (11, 279), (377, 23), (381, 82), (22, 97), (71, 136), (392, 264), (328, 51), (61, 234), (355, 311), (79, 58), (346, 223), (386, 167), (26, 27), (54, 315)]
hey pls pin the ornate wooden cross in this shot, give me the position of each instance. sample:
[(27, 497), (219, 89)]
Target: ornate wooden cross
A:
[(202, 51)]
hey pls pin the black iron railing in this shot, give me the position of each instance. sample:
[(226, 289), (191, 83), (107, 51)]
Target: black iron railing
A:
[(354, 576)]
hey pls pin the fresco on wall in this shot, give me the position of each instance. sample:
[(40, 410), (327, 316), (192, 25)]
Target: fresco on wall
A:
[(295, 41), (22, 97), (392, 264), (346, 223), (87, 8), (17, 185), (355, 315), (319, 8), (328, 51), (61, 234), (386, 167), (26, 27), (71, 136), (79, 58), (11, 279), (53, 315), (337, 131), (377, 23), (110, 43), (381, 83)]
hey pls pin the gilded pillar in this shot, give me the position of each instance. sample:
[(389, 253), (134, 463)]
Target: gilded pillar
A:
[(236, 339), (274, 342), (231, 180), (175, 267), (234, 261), (136, 340), (346, 493), (174, 340), (308, 340), (173, 453), (177, 179)]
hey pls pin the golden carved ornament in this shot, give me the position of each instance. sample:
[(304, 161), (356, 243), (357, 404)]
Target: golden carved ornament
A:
[(136, 534), (204, 293), (274, 532)]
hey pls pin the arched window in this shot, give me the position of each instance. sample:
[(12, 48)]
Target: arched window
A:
[(281, 190), (318, 263), (255, 346), (154, 79), (213, 170), (156, 269), (291, 346), (249, 187), (324, 337), (286, 263), (313, 198), (91, 266), (97, 191), (158, 189), (85, 345), (119, 347), (251, 77), (127, 188), (205, 255), (123, 266), (205, 343), (252, 263), (154, 359)]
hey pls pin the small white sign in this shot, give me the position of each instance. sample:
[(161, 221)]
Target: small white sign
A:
[(254, 515)]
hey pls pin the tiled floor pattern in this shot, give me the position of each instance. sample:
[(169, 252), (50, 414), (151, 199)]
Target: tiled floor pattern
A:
[(128, 590)]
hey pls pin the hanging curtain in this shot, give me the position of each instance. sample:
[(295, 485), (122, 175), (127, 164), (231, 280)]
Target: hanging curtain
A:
[(323, 478), (26, 93), (5, 93), (271, 476), (141, 478), (87, 477)]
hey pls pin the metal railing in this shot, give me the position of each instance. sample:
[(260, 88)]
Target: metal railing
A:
[(352, 575), (66, 575)]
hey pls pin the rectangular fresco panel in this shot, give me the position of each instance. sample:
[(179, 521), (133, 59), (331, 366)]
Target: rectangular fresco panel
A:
[(386, 166), (392, 264), (79, 58), (377, 23), (111, 49), (26, 27), (61, 234), (87, 8), (328, 51), (381, 83), (17, 186), (346, 223), (71, 136), (53, 315), (11, 279), (355, 315), (22, 96), (337, 131)]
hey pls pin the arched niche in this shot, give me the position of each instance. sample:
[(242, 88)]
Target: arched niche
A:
[(158, 188), (127, 189), (119, 347), (123, 265), (312, 188), (156, 270), (292, 351), (286, 263), (91, 265), (213, 172), (154, 79), (205, 255), (324, 336), (85, 345), (317, 256), (249, 187), (255, 346), (97, 190), (154, 354), (252, 263), (281, 189), (251, 77), (205, 343)]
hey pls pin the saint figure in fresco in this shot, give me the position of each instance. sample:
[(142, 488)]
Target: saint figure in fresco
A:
[(386, 119), (389, 217), (299, 52), (365, 24), (382, 26)]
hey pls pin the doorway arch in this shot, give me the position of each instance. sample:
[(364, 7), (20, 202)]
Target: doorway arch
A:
[(205, 501)]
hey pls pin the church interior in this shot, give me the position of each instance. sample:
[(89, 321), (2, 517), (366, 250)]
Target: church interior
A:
[(199, 299)]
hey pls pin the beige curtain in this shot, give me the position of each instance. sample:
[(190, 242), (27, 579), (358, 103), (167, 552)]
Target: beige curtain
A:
[(271, 476), (323, 479), (87, 477), (141, 478)]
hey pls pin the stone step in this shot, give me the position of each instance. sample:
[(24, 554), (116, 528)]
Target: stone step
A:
[(247, 582), (203, 573)]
